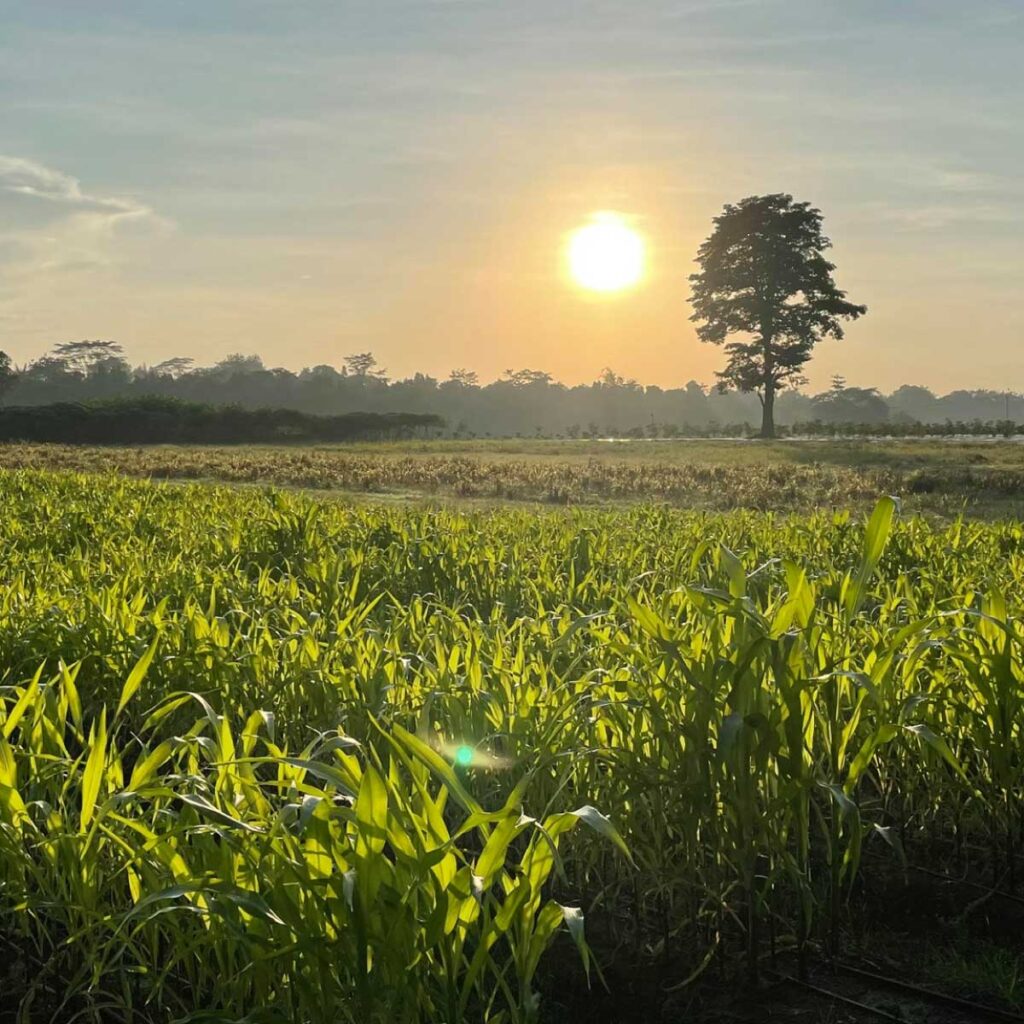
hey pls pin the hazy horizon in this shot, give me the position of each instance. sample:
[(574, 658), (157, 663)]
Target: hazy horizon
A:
[(308, 180)]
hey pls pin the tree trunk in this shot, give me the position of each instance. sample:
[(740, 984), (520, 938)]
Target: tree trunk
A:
[(768, 411), (768, 399)]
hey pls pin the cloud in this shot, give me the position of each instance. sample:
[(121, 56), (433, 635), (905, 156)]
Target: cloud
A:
[(55, 232), (24, 177)]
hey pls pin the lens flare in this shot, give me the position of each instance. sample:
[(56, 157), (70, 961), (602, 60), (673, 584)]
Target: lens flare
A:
[(468, 755)]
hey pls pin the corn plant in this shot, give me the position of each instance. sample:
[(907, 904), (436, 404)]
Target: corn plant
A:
[(269, 758)]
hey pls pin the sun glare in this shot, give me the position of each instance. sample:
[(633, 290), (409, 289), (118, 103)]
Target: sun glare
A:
[(606, 255)]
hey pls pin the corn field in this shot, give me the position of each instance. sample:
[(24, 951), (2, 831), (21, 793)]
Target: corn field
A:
[(269, 759)]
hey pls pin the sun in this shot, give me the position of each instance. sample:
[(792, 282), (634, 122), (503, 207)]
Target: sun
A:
[(606, 255)]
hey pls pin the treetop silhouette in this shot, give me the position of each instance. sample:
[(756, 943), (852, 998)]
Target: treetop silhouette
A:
[(763, 274)]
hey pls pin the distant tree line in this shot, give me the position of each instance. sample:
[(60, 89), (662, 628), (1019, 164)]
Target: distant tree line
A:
[(160, 420), (523, 403)]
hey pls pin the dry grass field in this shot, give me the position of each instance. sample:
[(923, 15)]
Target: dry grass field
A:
[(978, 478)]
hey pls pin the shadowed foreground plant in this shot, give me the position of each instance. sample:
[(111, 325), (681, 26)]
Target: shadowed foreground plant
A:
[(217, 869)]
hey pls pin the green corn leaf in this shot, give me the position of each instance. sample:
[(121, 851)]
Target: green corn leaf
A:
[(599, 823), (146, 768), (875, 538), (92, 774), (372, 810), (22, 705), (573, 918), (207, 810), (939, 745), (137, 674)]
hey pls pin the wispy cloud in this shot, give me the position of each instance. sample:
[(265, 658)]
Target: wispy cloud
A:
[(25, 177), (65, 227)]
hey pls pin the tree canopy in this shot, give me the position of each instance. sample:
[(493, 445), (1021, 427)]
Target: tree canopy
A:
[(763, 275)]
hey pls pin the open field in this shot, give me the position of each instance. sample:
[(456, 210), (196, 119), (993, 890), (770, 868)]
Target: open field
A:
[(269, 758), (945, 478)]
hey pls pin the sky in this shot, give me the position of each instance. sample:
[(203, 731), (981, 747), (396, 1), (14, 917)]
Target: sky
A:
[(305, 179)]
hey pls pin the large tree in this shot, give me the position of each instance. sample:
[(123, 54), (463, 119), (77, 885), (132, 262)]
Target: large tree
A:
[(8, 375), (763, 275)]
